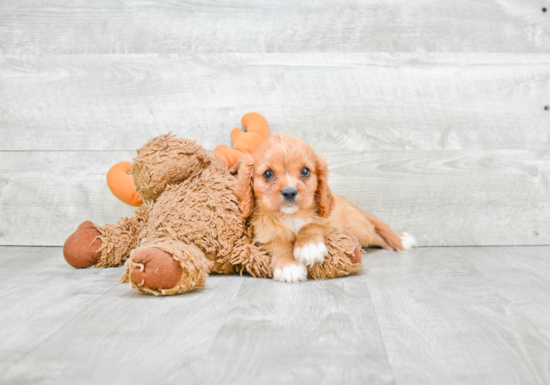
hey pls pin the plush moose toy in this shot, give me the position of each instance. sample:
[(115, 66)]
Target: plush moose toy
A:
[(190, 224), (121, 182)]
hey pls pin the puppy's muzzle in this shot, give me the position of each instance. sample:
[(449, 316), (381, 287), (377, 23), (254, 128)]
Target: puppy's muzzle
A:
[(289, 193)]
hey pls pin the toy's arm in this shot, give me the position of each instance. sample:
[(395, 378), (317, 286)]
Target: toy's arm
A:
[(104, 246), (257, 132)]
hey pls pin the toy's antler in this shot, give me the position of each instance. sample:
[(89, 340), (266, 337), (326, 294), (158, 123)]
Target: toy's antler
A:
[(257, 132), (122, 185)]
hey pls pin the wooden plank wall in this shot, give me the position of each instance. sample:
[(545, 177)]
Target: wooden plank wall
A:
[(431, 114)]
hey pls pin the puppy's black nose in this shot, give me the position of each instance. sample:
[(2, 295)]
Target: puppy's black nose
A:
[(289, 193)]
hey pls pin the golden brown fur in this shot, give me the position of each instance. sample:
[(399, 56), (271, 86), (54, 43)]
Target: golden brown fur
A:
[(295, 230)]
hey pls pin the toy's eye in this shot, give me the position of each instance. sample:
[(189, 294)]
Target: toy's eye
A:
[(268, 175), (305, 172)]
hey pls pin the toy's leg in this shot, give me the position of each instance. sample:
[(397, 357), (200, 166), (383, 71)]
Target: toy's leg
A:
[(166, 267), (83, 247), (344, 257), (103, 246), (251, 259)]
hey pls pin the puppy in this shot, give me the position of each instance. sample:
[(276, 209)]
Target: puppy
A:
[(283, 188)]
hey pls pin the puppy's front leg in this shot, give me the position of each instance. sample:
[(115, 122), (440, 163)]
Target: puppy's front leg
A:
[(284, 267), (310, 247)]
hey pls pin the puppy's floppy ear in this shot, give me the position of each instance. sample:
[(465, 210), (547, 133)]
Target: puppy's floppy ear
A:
[(323, 195), (244, 190)]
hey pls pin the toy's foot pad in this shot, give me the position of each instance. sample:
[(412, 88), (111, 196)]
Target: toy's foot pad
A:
[(83, 247), (159, 270)]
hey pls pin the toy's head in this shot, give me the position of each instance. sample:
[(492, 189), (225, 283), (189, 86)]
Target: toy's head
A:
[(166, 160)]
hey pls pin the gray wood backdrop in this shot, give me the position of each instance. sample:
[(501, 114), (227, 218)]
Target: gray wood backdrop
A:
[(431, 113)]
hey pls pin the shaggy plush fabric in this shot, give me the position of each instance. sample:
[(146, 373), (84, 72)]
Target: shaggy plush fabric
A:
[(166, 160), (117, 241), (338, 262), (195, 267), (191, 212)]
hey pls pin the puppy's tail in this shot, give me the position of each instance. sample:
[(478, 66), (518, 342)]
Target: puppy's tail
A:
[(397, 241)]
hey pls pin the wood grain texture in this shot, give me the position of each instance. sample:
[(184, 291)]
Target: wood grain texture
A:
[(323, 332), (445, 322), (522, 278), (44, 196), (338, 101), (451, 198), (222, 334), (444, 198), (59, 27), (40, 293), (427, 316)]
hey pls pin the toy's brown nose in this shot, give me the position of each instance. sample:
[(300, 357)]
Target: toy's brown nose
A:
[(289, 193)]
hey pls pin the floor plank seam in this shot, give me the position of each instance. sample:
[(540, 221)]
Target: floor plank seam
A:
[(379, 328)]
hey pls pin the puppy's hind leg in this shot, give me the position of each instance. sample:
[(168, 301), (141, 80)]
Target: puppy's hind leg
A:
[(396, 241), (371, 231), (407, 240)]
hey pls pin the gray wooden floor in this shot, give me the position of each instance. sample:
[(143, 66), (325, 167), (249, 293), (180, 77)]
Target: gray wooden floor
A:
[(429, 316)]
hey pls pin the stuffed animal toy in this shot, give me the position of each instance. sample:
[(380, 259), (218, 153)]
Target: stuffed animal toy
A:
[(121, 183), (189, 226)]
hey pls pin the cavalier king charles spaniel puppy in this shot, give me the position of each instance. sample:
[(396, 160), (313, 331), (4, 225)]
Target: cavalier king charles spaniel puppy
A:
[(283, 188)]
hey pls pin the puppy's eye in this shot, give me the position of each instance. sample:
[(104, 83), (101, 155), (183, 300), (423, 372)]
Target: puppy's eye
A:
[(268, 175), (305, 172)]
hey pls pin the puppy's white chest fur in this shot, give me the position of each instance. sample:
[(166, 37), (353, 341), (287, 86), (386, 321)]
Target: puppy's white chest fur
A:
[(296, 223)]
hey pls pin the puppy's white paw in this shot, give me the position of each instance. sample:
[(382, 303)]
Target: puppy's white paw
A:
[(408, 241), (310, 253), (291, 274)]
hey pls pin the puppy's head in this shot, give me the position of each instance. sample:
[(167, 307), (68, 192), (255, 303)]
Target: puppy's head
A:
[(284, 176)]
